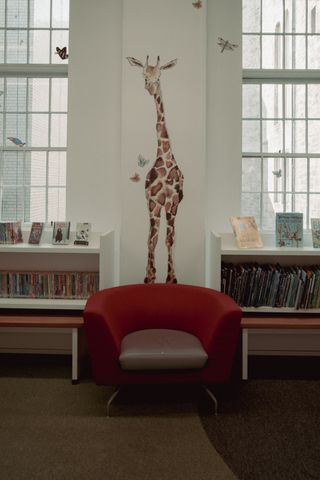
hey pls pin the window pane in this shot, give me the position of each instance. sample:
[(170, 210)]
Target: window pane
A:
[(272, 137), (1, 129), (57, 169), (15, 126), (2, 47), (314, 136), (251, 16), (295, 101), (60, 13), (295, 136), (295, 16), (16, 97), (315, 206), (60, 38), (38, 130), (40, 14), (271, 51), (35, 169), (39, 45), (17, 13), (250, 136), (273, 174), (272, 101), (300, 180), (12, 168), (314, 174), (288, 174), (272, 203), (313, 16), (313, 51), (2, 13), (56, 204), (59, 94), (300, 205), (38, 95), (250, 51), (58, 130), (251, 174), (16, 46), (12, 204), (35, 204), (272, 15), (295, 51), (314, 100), (250, 205)]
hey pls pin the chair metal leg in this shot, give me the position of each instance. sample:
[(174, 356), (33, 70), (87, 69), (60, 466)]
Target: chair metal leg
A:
[(111, 398), (213, 398)]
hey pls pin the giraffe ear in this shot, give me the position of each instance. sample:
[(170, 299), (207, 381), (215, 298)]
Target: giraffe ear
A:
[(169, 64), (134, 62)]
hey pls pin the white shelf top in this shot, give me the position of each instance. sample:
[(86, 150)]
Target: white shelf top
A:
[(229, 247), (279, 310), (45, 303), (48, 248)]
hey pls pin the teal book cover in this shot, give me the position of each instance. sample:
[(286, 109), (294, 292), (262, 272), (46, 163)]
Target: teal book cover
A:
[(315, 229), (289, 229)]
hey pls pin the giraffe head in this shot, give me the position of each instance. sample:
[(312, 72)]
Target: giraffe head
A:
[(151, 73)]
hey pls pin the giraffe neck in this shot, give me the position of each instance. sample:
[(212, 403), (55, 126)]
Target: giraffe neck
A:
[(164, 146)]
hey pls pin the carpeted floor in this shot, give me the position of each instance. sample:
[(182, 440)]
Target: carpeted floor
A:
[(52, 430), (269, 427)]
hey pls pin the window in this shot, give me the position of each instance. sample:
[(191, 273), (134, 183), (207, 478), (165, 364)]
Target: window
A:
[(33, 109), (281, 109)]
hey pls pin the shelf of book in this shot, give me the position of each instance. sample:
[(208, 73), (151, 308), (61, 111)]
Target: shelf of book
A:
[(73, 264)]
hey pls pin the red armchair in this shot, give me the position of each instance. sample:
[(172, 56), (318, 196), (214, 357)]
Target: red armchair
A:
[(210, 316)]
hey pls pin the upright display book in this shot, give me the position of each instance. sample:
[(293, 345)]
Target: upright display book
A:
[(289, 229), (246, 232), (10, 232), (35, 233), (82, 233), (61, 233), (315, 228)]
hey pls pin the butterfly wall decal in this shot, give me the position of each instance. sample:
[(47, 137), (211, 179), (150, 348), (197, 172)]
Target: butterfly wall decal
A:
[(142, 161), (197, 4), (16, 141), (277, 173), (135, 178), (226, 45), (62, 52)]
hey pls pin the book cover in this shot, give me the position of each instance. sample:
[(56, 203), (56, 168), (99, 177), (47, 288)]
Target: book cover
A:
[(246, 232), (82, 233), (315, 229), (10, 232), (289, 229), (61, 233), (35, 233)]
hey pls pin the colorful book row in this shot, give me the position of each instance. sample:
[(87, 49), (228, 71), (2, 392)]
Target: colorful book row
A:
[(62, 285), (269, 285)]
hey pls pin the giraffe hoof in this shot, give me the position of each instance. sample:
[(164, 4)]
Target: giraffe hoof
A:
[(171, 280)]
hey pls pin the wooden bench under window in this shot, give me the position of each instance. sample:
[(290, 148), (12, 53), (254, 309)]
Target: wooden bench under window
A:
[(72, 323), (309, 324)]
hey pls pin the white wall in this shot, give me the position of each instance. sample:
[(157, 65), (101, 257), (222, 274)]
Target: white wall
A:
[(112, 121), (94, 128), (223, 114), (156, 28)]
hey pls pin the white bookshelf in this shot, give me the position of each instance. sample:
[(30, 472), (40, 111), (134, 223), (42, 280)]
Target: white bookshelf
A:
[(98, 256)]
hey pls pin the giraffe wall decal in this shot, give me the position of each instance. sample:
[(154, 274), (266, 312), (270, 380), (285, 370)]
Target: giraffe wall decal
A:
[(164, 181)]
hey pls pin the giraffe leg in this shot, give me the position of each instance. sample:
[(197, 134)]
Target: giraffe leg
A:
[(170, 215), (152, 242)]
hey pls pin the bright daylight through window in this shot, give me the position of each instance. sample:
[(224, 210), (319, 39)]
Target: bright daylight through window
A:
[(33, 109), (281, 109)]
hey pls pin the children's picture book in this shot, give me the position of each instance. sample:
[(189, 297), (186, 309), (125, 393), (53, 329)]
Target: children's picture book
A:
[(61, 233), (35, 233), (315, 229), (289, 229), (82, 233), (246, 232), (10, 232)]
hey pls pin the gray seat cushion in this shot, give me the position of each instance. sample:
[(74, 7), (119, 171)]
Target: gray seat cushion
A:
[(161, 349)]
